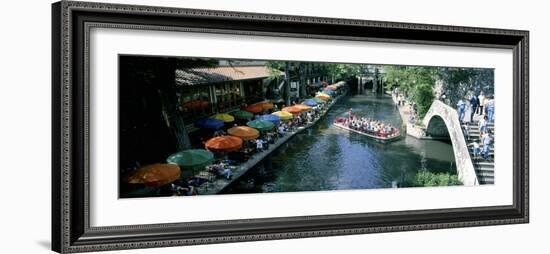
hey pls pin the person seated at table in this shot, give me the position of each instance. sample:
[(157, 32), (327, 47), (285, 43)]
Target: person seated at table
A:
[(259, 145)]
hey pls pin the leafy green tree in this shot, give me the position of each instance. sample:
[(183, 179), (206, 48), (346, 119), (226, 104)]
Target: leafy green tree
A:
[(461, 82), (416, 82)]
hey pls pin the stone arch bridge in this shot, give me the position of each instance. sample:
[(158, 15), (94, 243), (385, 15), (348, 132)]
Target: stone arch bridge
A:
[(441, 121)]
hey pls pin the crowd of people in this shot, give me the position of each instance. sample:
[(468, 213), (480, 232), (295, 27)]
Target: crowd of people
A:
[(368, 125), (484, 106), (481, 105)]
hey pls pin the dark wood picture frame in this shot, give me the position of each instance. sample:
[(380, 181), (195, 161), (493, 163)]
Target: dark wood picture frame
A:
[(71, 22)]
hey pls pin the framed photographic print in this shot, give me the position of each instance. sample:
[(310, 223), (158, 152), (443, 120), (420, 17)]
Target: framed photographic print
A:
[(182, 126)]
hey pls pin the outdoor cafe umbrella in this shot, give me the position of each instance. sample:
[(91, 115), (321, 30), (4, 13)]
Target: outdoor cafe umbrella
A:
[(227, 118), (196, 104), (191, 158), (254, 108), (244, 132), (292, 109), (272, 118), (319, 101), (155, 175), (303, 108), (261, 125), (265, 105), (323, 96), (224, 144), (243, 115), (209, 123), (310, 103), (283, 115)]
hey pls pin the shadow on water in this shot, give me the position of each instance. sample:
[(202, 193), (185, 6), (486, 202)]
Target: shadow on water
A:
[(326, 158)]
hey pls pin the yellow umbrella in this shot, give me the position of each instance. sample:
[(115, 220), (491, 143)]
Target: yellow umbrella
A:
[(283, 115), (302, 107), (224, 117), (323, 96)]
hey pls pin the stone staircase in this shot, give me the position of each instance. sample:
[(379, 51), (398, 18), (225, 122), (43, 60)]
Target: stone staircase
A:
[(485, 169)]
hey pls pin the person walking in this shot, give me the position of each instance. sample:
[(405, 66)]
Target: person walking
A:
[(461, 106), (483, 125), (491, 109), (476, 149), (486, 141), (481, 102), (473, 107)]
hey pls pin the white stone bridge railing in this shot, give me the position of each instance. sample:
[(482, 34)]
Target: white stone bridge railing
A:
[(440, 111)]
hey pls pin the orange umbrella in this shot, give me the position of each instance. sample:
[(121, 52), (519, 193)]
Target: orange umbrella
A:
[(292, 109), (254, 108), (155, 175), (323, 96), (244, 132), (266, 105), (224, 144), (303, 108)]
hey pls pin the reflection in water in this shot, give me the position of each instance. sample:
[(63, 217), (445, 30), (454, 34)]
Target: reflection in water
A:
[(327, 158)]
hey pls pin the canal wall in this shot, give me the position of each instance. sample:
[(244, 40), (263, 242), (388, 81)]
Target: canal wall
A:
[(218, 185), (440, 116), (411, 129)]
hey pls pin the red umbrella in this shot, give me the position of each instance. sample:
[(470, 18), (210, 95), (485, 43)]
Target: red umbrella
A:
[(196, 104), (266, 105), (255, 109), (224, 144)]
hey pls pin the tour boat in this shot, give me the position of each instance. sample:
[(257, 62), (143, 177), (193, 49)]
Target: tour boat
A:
[(340, 122)]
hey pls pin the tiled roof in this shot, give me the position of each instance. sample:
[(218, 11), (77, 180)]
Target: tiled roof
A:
[(202, 76)]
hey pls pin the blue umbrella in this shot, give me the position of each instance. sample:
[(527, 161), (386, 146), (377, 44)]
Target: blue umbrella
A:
[(209, 123), (272, 118), (310, 103)]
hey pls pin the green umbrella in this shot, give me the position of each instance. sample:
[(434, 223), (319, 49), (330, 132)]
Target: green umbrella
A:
[(243, 115), (191, 159), (320, 101), (261, 125)]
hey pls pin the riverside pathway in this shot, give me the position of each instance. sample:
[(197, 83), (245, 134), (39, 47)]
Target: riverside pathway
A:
[(217, 185)]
